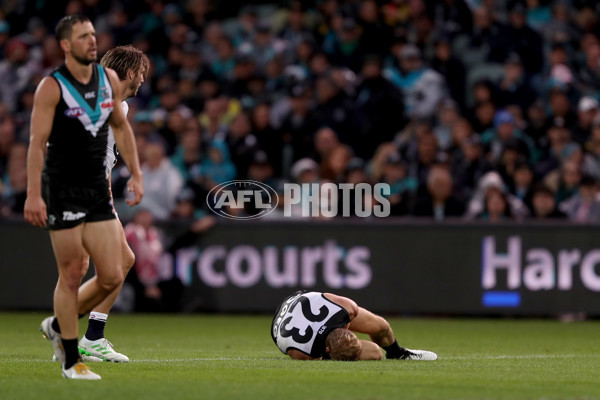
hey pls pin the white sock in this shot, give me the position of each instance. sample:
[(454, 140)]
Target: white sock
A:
[(98, 316)]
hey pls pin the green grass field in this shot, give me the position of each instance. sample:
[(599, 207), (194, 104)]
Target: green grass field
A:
[(233, 357)]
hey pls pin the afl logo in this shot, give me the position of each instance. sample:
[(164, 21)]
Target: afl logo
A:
[(242, 199), (74, 112)]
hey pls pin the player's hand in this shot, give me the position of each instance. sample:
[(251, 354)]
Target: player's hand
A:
[(135, 186), (35, 211)]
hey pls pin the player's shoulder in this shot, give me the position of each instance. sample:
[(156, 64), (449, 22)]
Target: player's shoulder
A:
[(111, 73), (48, 89)]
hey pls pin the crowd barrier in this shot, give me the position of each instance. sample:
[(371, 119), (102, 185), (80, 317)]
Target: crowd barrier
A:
[(389, 266)]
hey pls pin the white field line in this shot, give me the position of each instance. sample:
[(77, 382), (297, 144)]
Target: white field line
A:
[(229, 359)]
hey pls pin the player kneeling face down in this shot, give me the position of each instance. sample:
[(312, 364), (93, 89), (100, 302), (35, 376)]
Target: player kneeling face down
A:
[(316, 326)]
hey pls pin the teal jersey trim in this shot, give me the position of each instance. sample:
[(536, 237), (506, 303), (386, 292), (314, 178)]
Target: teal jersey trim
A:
[(95, 113)]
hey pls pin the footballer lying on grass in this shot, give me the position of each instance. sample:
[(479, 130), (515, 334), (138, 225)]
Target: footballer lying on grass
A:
[(315, 326)]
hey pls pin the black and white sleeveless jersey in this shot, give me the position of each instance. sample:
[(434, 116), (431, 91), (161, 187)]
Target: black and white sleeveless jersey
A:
[(111, 146), (78, 140), (304, 320)]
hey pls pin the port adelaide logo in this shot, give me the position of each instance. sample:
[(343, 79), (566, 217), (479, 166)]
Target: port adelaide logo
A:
[(242, 199)]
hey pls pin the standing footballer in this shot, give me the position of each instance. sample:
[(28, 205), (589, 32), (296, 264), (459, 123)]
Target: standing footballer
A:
[(68, 193), (132, 67)]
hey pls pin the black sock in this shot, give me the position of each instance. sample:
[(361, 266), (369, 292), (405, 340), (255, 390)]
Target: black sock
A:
[(55, 325), (394, 350), (95, 329), (71, 352)]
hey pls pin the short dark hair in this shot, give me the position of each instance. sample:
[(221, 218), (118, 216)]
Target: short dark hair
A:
[(64, 28), (125, 58)]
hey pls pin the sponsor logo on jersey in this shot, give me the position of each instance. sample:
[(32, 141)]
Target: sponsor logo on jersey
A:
[(107, 104), (71, 216), (323, 328), (90, 95), (74, 112), (104, 92)]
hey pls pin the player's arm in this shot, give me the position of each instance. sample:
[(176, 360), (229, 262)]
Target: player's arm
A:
[(370, 351), (46, 98), (125, 141)]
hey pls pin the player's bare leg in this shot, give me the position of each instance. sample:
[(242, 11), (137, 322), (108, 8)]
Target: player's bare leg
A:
[(378, 329), (100, 239), (93, 343), (62, 329)]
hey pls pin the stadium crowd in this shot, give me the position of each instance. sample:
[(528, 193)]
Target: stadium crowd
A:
[(476, 109)]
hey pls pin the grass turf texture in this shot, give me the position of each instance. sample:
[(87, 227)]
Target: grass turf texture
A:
[(233, 357)]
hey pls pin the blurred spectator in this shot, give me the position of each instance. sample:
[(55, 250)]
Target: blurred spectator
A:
[(261, 169), (4, 37), (333, 167), (496, 206), (325, 140), (591, 159), (375, 33), (483, 116), (560, 28), (561, 112), (469, 165), (521, 185), (263, 47), (242, 143), (538, 14), (298, 129), (422, 87), (557, 139), (217, 167), (588, 81), (403, 188), (452, 17), (585, 205), (473, 47), (14, 182), (7, 138), (382, 105), (194, 219), (305, 170), (504, 133), (355, 171), (514, 88), (544, 204), (335, 110), (295, 32), (16, 70), (537, 124), (188, 154), (374, 168), (477, 206), (224, 63), (162, 182), (450, 66), (439, 202), (447, 116), (155, 287), (427, 155), (565, 181), (587, 110), (521, 39)]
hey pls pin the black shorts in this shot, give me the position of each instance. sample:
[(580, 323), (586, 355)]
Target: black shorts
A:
[(69, 206)]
